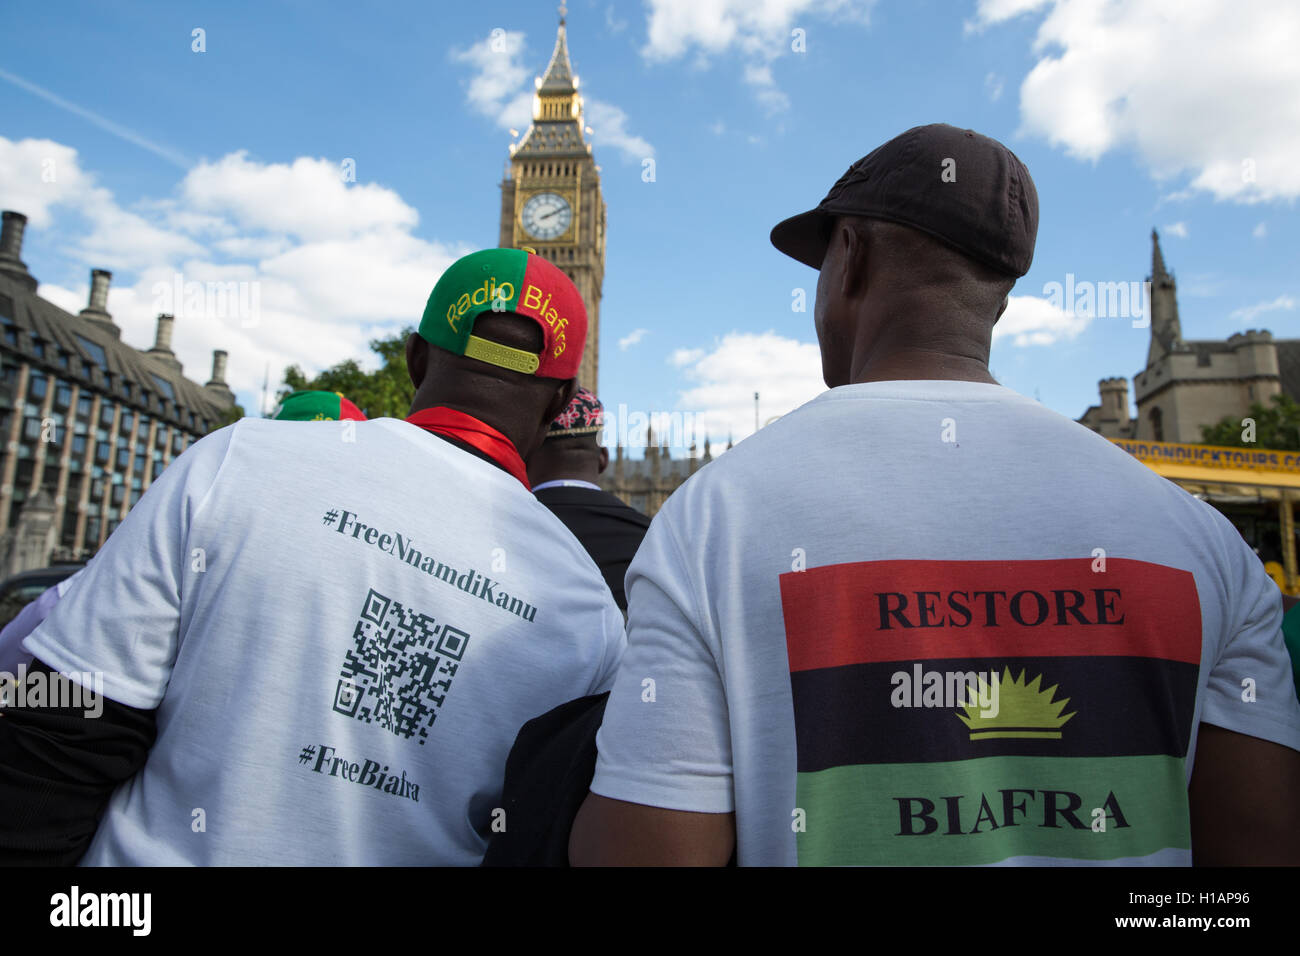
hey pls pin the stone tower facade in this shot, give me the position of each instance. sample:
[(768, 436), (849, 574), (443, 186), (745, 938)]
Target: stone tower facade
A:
[(1190, 383), (550, 198)]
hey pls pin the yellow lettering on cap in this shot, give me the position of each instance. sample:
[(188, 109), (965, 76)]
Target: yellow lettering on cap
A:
[(550, 317), (532, 297), (462, 304), (451, 318), (502, 294), (486, 295)]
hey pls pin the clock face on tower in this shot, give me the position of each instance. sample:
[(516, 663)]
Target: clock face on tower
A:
[(546, 216)]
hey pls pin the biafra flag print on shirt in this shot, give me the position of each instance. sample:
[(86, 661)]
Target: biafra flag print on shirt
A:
[(979, 712)]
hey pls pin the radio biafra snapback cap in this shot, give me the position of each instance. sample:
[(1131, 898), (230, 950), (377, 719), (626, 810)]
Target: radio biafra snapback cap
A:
[(508, 280)]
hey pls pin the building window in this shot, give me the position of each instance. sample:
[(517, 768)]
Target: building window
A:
[(119, 493), (123, 456), (106, 414), (83, 407), (157, 469), (165, 387), (36, 390), (101, 452), (96, 352), (62, 396), (139, 465), (32, 429), (11, 334), (78, 447), (92, 532), (38, 347), (63, 359), (1157, 425)]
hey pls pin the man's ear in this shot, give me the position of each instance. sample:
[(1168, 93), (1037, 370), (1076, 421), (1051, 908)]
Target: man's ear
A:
[(417, 359), (604, 460), (854, 243), (1006, 300), (560, 400)]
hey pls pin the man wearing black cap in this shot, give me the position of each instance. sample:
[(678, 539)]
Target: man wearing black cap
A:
[(966, 630), (563, 473)]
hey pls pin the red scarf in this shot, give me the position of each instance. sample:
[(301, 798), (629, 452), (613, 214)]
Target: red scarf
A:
[(476, 434)]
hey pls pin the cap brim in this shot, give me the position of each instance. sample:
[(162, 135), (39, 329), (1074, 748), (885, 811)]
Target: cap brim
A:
[(804, 237)]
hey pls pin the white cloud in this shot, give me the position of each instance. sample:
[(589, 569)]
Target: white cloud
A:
[(330, 265), (989, 12), (1178, 229), (632, 338), (308, 198), (1260, 231), (723, 379), (501, 88), (1199, 89), (993, 86), (1030, 320), (1251, 312), (612, 23), (609, 128), (760, 32)]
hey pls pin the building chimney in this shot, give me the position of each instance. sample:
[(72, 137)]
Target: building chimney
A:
[(162, 343), (217, 384), (96, 309), (218, 367), (11, 250), (162, 340)]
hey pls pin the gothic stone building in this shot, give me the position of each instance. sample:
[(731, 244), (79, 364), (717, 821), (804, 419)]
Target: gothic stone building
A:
[(551, 202), (88, 421), (1187, 384)]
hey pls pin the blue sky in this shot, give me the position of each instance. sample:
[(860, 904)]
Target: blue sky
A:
[(131, 151)]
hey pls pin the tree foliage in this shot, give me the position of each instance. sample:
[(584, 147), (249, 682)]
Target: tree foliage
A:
[(1277, 427), (384, 393)]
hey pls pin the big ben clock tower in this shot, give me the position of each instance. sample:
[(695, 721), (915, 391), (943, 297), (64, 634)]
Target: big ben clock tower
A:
[(550, 198)]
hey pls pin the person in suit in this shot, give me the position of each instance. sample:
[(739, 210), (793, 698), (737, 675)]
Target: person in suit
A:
[(563, 473)]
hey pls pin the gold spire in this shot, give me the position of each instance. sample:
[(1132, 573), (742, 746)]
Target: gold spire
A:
[(557, 89)]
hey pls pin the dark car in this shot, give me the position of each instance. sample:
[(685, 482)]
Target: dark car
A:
[(21, 589)]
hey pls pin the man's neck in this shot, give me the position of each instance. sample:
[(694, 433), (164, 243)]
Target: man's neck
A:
[(921, 364)]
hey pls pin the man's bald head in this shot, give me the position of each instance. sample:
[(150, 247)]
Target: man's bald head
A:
[(886, 289)]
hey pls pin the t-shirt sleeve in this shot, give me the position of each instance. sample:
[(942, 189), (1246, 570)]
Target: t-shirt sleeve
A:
[(122, 619), (1251, 689), (615, 646), (666, 737)]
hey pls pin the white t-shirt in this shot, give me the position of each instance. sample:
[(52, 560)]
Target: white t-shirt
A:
[(924, 622), (342, 639)]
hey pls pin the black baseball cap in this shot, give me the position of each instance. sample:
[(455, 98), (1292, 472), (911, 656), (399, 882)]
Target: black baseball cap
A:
[(965, 189)]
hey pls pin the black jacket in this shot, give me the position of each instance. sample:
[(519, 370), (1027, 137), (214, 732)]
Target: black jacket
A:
[(609, 530)]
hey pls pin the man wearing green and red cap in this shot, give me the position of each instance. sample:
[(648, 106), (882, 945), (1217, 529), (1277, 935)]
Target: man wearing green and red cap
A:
[(340, 631), (312, 405)]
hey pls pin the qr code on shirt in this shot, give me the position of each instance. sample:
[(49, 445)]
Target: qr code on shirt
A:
[(399, 669)]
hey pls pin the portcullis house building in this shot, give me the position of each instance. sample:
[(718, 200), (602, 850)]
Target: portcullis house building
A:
[(88, 421)]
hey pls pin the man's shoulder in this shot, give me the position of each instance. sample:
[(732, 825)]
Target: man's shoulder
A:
[(595, 500)]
